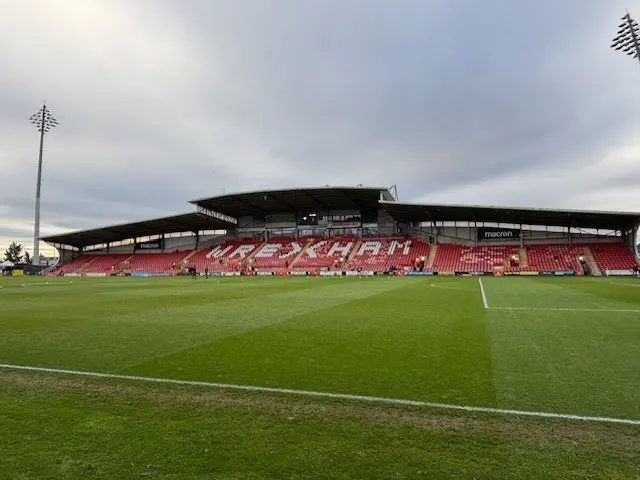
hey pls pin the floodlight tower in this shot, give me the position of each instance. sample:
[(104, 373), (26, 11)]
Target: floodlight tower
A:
[(44, 121), (627, 38)]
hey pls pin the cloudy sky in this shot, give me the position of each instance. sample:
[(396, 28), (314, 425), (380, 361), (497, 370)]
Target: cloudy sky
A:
[(455, 101)]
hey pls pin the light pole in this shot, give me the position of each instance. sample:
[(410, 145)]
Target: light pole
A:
[(628, 41), (44, 121), (627, 38)]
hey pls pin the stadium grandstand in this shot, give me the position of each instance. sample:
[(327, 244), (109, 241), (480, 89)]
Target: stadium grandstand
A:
[(353, 231)]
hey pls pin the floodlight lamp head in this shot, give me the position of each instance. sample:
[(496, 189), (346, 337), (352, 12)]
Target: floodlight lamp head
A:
[(43, 120)]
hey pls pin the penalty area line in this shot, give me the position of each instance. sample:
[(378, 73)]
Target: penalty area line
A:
[(484, 296), (550, 309), (341, 396)]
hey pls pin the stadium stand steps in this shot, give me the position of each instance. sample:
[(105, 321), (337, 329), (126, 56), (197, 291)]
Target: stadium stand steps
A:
[(590, 260), (433, 250), (47, 271), (253, 253), (300, 253), (323, 252), (420, 234), (85, 266), (277, 254), (354, 251), (122, 265), (212, 242), (183, 264), (524, 258)]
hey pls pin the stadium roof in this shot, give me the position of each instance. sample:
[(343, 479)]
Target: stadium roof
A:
[(413, 212), (303, 200), (188, 222), (299, 200)]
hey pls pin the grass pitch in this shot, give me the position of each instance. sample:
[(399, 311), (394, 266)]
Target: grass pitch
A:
[(556, 345)]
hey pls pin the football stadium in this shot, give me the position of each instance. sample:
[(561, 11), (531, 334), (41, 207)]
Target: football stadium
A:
[(330, 332), (353, 231)]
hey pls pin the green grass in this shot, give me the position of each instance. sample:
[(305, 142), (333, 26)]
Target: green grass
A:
[(413, 338)]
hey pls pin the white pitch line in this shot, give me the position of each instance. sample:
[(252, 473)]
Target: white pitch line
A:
[(542, 309), (40, 284), (624, 284), (342, 396), (451, 287), (484, 296)]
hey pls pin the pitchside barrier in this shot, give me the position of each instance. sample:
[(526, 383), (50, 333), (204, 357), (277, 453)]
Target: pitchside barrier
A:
[(314, 273), (618, 273), (145, 274), (338, 273), (368, 273), (527, 273)]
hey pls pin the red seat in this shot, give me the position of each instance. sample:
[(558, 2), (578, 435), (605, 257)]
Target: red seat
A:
[(225, 257), (153, 262), (381, 253), (465, 258), (325, 252), (277, 254), (551, 258), (72, 265), (613, 256)]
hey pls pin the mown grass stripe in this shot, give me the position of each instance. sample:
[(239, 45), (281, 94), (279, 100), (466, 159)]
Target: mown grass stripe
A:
[(341, 396)]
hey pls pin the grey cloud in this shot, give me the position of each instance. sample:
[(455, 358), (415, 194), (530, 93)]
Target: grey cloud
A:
[(17, 233), (484, 113)]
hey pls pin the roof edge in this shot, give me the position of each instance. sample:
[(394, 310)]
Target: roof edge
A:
[(294, 189), (507, 207), (116, 225)]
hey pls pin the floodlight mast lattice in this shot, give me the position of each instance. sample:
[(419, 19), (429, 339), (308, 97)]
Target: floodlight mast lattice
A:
[(44, 122), (627, 38)]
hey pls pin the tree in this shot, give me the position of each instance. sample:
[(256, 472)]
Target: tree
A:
[(13, 254), (27, 257)]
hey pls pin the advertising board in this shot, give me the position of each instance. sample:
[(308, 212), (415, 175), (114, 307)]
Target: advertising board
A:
[(147, 274), (492, 233), (618, 273), (150, 245)]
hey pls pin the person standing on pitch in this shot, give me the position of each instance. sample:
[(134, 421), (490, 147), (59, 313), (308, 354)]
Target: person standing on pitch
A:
[(206, 272)]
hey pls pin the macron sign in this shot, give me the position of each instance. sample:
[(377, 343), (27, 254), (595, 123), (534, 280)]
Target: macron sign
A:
[(152, 245), (486, 233)]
